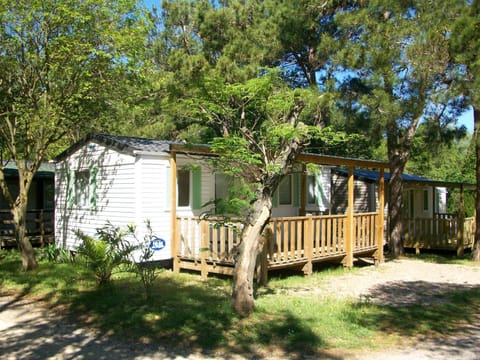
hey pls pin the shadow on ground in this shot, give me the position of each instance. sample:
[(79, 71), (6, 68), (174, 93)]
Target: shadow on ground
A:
[(184, 319), (441, 318)]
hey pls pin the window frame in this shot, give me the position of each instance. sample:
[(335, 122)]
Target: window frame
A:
[(81, 189)]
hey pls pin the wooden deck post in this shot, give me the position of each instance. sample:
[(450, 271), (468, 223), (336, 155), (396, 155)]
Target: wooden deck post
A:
[(173, 211), (461, 224), (381, 217), (308, 244), (203, 248), (349, 231)]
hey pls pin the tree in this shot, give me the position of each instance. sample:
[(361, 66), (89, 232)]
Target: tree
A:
[(265, 125), (61, 64), (465, 47), (398, 52)]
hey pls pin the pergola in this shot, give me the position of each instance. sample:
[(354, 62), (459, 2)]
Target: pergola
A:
[(308, 251)]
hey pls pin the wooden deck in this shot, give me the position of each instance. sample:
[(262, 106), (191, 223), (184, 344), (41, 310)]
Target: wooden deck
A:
[(39, 228), (209, 245), (439, 233)]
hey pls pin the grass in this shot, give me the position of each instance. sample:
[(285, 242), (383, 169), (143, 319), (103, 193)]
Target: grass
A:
[(440, 257), (185, 312)]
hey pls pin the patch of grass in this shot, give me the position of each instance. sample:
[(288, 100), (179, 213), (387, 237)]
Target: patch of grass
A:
[(296, 280), (460, 307), (439, 257), (185, 312)]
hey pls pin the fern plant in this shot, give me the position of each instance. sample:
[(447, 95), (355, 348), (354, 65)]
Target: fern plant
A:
[(106, 252)]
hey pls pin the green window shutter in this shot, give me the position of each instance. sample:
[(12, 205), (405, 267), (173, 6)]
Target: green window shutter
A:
[(318, 189), (93, 187), (70, 187), (297, 179), (196, 187)]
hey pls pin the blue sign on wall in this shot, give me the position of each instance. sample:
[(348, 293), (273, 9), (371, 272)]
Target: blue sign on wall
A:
[(157, 244)]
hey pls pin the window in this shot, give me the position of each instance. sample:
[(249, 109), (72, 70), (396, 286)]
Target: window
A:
[(183, 181), (425, 200), (285, 191), (82, 188), (311, 190)]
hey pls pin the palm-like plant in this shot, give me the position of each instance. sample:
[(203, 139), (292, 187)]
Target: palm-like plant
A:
[(103, 254)]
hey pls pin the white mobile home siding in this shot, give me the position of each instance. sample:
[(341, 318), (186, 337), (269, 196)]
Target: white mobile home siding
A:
[(115, 197), (130, 189)]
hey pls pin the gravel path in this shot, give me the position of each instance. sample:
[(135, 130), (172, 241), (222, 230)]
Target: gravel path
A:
[(30, 331)]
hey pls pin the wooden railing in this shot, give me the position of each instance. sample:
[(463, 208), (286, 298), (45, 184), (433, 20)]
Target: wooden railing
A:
[(365, 231), (39, 227), (469, 232), (213, 239), (440, 232), (289, 240)]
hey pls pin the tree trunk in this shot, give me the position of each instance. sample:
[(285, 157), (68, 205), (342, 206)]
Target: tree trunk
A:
[(23, 243), (248, 250), (397, 165), (476, 244)]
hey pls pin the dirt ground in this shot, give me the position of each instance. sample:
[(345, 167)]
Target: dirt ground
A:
[(30, 330)]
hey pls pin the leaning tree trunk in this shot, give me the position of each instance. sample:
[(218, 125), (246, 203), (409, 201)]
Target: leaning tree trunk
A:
[(19, 213), (397, 165), (476, 244), (248, 250)]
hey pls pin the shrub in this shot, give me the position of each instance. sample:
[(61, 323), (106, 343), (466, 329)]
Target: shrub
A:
[(110, 250), (145, 268), (55, 253)]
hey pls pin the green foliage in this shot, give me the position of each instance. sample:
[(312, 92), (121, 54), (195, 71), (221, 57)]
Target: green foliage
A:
[(445, 155), (264, 123), (66, 63), (143, 267), (110, 250), (56, 254), (64, 66), (465, 47), (188, 313)]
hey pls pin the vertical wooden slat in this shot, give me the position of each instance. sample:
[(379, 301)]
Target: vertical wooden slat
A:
[(373, 230), (328, 224), (349, 228), (291, 238), (325, 234), (335, 245), (280, 240), (308, 241), (204, 248), (271, 243), (300, 237), (231, 236), (223, 240)]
